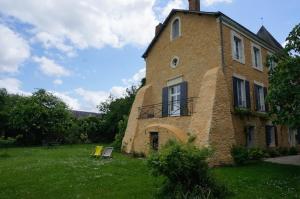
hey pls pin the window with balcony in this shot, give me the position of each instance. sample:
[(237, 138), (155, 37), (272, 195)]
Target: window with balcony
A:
[(260, 93), (241, 93)]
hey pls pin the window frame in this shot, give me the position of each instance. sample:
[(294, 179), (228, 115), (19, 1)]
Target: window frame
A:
[(261, 97), (174, 103), (260, 67), (179, 29), (241, 58), (243, 92), (273, 64)]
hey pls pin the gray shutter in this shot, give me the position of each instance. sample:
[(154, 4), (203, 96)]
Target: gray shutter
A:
[(256, 97), (265, 94), (235, 97), (268, 135), (183, 98), (165, 102), (248, 100)]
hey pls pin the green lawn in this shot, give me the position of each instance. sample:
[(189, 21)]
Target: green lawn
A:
[(69, 172)]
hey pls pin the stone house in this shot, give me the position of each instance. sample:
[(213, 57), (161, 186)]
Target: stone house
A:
[(206, 76)]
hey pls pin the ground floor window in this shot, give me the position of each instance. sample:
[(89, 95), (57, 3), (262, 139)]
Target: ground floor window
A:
[(154, 141), (250, 136), (271, 136), (294, 136)]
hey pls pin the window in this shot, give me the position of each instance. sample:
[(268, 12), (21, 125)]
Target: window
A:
[(237, 48), (271, 62), (250, 136), (174, 62), (174, 100), (154, 141), (260, 98), (241, 93), (175, 28), (294, 136), (271, 136), (256, 57)]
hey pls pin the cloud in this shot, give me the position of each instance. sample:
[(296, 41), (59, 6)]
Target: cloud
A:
[(57, 82), (13, 85), (72, 102), (173, 4), (92, 98), (50, 68), (211, 2), (136, 78), (14, 50), (67, 25)]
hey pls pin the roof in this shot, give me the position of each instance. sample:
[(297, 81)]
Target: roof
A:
[(81, 114), (264, 37)]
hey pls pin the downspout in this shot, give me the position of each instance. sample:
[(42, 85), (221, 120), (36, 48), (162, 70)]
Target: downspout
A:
[(222, 43)]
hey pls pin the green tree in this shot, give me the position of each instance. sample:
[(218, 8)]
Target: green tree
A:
[(284, 89), (39, 117)]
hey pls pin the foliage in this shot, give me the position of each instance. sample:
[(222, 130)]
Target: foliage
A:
[(40, 117), (122, 124), (186, 172), (283, 95), (7, 142), (293, 151), (256, 154), (239, 154)]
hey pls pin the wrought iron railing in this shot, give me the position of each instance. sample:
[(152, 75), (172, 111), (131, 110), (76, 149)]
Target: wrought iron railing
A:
[(174, 108)]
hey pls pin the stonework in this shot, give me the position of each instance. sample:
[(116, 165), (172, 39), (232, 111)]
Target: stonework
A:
[(206, 64)]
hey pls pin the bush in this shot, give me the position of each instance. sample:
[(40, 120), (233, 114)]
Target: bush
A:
[(256, 154), (293, 151), (122, 124), (7, 142), (239, 154), (273, 153), (283, 151), (186, 172)]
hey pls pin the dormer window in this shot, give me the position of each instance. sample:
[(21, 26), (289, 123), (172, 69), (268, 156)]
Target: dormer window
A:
[(175, 28)]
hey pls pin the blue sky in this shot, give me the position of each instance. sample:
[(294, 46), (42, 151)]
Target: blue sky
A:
[(83, 51)]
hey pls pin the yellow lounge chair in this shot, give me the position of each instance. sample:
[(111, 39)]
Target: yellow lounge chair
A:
[(98, 151)]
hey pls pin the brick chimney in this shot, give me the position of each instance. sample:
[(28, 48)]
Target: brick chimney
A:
[(194, 5), (158, 28)]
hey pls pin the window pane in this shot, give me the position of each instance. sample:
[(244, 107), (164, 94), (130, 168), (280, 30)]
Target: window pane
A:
[(175, 29)]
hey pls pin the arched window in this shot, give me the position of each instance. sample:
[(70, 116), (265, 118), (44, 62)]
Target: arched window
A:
[(175, 29)]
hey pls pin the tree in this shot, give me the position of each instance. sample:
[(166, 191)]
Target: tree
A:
[(39, 117), (284, 89)]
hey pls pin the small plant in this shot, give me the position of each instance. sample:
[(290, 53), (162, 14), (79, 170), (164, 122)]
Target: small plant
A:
[(273, 153), (283, 151), (7, 142), (240, 155), (242, 111), (186, 172), (256, 154), (293, 151)]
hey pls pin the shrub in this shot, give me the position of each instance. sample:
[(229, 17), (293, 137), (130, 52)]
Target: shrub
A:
[(186, 172), (256, 154), (293, 151), (273, 153), (239, 154), (7, 142), (122, 124), (283, 151)]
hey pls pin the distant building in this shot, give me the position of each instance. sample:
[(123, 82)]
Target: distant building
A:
[(82, 114)]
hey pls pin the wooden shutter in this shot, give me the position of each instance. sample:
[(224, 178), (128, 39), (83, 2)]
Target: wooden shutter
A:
[(276, 135), (248, 100), (165, 102), (235, 97), (183, 98), (256, 97), (268, 136), (265, 96)]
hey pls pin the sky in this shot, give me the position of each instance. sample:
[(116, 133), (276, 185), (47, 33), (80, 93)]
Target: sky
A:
[(82, 51)]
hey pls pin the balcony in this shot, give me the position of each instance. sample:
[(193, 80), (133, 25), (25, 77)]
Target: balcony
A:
[(174, 108)]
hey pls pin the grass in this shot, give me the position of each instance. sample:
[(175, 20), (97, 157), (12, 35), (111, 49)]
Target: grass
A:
[(69, 172)]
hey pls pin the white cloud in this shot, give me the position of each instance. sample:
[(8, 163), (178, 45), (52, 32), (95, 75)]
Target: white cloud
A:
[(68, 24), (136, 78), (14, 50), (92, 98), (57, 82), (50, 68), (173, 4), (70, 101), (13, 85), (211, 2)]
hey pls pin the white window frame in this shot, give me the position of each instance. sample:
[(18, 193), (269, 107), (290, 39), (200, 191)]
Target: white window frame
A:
[(292, 137), (273, 64), (243, 91), (261, 97), (260, 64), (233, 48), (171, 32), (174, 103)]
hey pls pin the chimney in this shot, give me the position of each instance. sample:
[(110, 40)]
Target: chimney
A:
[(194, 5), (158, 28)]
